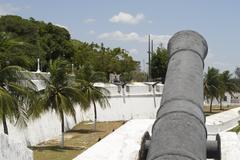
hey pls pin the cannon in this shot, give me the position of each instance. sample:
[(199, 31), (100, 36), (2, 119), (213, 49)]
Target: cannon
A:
[(179, 131)]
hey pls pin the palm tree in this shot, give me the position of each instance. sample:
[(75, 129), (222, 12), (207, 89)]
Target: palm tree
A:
[(211, 85), (16, 90), (227, 84), (14, 96), (61, 95), (94, 94)]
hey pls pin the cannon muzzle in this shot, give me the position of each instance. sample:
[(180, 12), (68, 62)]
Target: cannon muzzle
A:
[(179, 131)]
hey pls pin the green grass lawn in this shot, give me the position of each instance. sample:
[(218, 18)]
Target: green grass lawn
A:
[(77, 140), (236, 129)]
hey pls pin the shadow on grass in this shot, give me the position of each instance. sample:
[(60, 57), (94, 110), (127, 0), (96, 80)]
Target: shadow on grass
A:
[(209, 113), (54, 148), (83, 131)]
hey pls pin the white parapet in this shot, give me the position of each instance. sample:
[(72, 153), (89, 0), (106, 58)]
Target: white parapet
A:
[(223, 121), (122, 144), (230, 146), (11, 150)]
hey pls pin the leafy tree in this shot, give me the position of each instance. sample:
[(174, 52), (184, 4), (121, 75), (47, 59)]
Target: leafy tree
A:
[(237, 72), (60, 95), (56, 42), (84, 53), (227, 85), (159, 63), (104, 59), (46, 41), (10, 51), (211, 85), (94, 94), (50, 42), (15, 94), (139, 76), (126, 77)]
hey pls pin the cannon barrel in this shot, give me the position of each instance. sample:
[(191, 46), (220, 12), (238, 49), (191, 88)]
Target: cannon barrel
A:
[(179, 131)]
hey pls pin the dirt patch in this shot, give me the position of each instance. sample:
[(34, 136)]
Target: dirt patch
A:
[(216, 109), (77, 140)]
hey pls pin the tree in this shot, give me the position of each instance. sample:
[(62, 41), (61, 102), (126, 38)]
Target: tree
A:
[(104, 59), (159, 63), (10, 51), (15, 96), (94, 94), (139, 76), (211, 85), (237, 72), (60, 95), (227, 85), (48, 42)]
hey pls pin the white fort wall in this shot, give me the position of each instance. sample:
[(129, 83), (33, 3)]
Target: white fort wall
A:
[(137, 102), (10, 150)]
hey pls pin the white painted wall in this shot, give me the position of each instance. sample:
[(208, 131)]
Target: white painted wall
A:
[(135, 107), (44, 128), (139, 103), (10, 150)]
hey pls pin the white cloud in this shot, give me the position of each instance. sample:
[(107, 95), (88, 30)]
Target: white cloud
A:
[(134, 37), (90, 20), (124, 17), (133, 51), (92, 32), (8, 8), (119, 36), (62, 26)]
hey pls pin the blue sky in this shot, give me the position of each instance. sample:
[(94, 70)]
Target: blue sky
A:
[(127, 23)]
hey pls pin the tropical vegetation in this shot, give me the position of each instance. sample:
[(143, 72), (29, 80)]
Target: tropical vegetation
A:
[(94, 94), (217, 84), (50, 42), (159, 62), (16, 90), (60, 95)]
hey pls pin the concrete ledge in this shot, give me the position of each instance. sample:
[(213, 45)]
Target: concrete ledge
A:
[(230, 145), (122, 144), (223, 121)]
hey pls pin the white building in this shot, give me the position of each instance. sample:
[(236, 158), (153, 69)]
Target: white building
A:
[(227, 100)]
